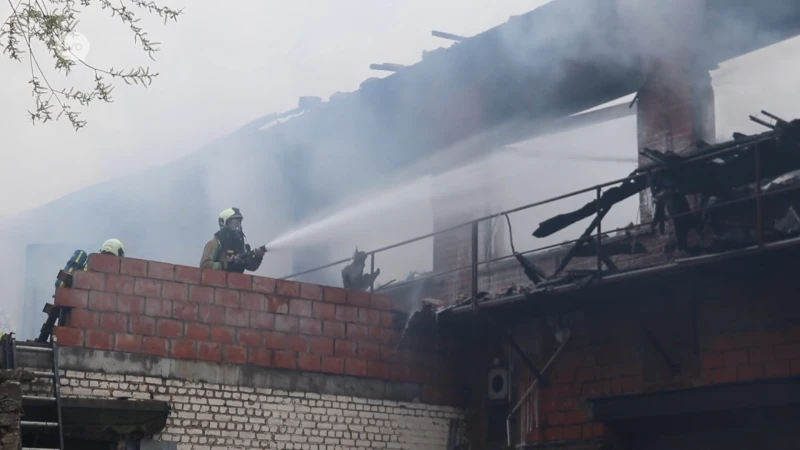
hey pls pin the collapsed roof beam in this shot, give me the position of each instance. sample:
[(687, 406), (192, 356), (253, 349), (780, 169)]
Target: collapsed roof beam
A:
[(388, 67), (443, 35)]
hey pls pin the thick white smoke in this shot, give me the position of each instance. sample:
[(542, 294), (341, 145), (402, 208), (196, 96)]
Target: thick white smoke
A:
[(168, 213)]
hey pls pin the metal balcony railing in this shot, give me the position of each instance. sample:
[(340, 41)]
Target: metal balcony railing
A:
[(751, 145)]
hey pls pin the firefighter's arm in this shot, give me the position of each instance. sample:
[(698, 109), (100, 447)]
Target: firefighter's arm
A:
[(211, 259)]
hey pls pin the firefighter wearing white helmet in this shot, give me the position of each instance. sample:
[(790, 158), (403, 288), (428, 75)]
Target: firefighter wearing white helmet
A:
[(227, 250), (113, 247), (79, 259)]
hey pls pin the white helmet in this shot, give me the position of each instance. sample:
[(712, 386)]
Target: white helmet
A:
[(230, 214), (113, 246)]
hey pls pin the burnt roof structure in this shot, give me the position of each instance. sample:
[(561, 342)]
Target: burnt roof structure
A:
[(504, 84), (750, 194)]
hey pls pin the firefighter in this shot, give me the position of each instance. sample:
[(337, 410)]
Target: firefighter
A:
[(353, 277), (79, 258), (227, 250), (113, 247)]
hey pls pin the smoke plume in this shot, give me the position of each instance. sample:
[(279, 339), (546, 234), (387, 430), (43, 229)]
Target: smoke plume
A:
[(369, 162)]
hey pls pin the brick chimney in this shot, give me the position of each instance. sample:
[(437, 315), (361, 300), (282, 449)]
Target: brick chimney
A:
[(676, 100), (675, 110), (453, 249)]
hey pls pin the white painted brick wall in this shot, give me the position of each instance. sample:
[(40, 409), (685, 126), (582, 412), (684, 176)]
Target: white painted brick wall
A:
[(218, 417)]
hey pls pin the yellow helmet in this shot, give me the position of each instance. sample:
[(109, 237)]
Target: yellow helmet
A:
[(114, 247)]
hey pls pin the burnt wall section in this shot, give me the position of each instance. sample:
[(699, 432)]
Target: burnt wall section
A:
[(728, 330), (137, 307)]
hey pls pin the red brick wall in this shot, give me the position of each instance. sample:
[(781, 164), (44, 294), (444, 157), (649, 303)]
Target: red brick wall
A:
[(665, 119), (746, 330), (161, 309), (452, 250)]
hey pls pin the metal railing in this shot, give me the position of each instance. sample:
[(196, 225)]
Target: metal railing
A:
[(474, 224), (645, 172)]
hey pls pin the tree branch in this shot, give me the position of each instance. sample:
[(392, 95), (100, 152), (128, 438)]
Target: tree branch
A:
[(32, 20)]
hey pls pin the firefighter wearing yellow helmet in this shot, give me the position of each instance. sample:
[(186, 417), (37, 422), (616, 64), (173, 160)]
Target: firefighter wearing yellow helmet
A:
[(227, 250)]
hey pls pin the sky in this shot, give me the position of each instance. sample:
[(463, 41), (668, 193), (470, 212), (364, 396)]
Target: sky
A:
[(224, 67), (219, 69)]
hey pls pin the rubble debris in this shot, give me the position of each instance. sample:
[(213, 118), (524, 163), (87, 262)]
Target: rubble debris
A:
[(465, 298), (720, 175), (732, 180), (627, 246), (533, 273), (509, 291)]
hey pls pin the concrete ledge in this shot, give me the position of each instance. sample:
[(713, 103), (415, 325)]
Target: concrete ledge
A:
[(118, 363)]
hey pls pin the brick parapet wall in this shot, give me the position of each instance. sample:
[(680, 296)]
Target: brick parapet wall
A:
[(154, 308)]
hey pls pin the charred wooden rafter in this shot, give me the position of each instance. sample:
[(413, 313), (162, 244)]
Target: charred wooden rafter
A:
[(387, 67), (707, 170), (448, 36)]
